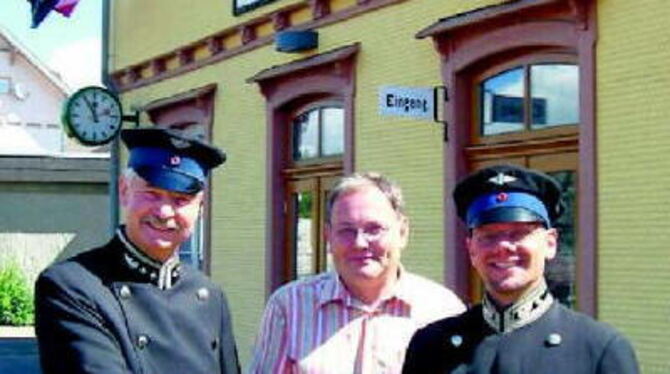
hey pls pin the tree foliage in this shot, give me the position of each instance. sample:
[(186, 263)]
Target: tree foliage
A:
[(16, 304)]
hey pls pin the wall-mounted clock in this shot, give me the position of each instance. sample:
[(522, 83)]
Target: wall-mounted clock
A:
[(93, 115)]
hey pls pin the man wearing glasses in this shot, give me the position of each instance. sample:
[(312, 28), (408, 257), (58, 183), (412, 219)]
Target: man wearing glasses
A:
[(519, 327), (359, 318)]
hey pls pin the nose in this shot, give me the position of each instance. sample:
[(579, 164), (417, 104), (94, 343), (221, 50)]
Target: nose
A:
[(166, 209), (507, 245), (361, 240)]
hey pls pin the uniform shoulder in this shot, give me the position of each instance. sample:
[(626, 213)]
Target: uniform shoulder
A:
[(599, 332), (453, 323), (86, 264)]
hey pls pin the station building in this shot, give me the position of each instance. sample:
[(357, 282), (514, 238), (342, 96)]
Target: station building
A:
[(299, 92)]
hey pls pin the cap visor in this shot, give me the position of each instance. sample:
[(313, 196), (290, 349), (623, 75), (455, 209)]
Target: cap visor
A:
[(506, 214)]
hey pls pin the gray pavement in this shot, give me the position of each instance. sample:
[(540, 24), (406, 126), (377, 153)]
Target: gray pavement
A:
[(19, 356)]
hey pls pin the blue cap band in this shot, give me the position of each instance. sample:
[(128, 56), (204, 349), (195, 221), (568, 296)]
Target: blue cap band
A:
[(502, 200), (165, 169)]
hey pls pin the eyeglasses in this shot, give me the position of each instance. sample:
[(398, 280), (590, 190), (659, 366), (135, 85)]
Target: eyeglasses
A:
[(371, 233), (488, 239)]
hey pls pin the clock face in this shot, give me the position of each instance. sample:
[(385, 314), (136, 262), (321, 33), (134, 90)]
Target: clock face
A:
[(93, 115)]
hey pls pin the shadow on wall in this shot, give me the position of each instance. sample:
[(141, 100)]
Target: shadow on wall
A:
[(40, 224)]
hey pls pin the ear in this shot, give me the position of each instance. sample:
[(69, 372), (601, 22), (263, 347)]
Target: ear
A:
[(551, 238), (468, 245), (403, 232), (327, 234), (124, 188)]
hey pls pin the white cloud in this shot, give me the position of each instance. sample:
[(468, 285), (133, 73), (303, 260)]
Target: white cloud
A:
[(78, 63)]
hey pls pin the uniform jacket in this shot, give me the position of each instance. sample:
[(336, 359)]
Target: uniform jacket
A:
[(559, 341), (100, 312)]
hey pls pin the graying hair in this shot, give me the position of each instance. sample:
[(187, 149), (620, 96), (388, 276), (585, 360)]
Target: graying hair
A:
[(356, 181), (130, 173)]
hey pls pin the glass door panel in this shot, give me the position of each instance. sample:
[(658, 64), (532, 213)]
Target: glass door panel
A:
[(304, 228), (561, 272)]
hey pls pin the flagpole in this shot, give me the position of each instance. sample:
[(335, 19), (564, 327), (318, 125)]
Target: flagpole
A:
[(114, 145)]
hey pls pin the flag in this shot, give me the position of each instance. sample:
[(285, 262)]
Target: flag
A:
[(65, 7), (42, 8)]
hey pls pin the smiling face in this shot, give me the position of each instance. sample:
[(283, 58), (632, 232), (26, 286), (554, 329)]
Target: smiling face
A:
[(510, 257), (157, 221), (366, 237)]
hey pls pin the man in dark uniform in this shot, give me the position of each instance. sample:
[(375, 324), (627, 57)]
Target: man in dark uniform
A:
[(130, 306), (518, 327)]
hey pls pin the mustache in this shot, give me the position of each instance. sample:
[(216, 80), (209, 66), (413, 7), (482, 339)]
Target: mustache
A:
[(157, 222)]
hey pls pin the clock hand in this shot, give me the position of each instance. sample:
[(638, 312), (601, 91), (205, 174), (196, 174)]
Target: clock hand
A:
[(92, 108)]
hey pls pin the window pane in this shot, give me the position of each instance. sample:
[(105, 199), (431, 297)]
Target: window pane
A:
[(332, 134), (561, 271), (191, 251), (555, 90), (502, 108), (304, 253), (306, 136)]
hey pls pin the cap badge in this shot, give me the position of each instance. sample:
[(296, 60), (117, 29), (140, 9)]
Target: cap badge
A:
[(501, 179), (502, 197), (175, 160)]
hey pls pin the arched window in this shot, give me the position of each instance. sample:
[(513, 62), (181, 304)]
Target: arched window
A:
[(310, 143), (522, 92), (317, 145), (318, 134), (529, 97), (190, 112), (526, 112)]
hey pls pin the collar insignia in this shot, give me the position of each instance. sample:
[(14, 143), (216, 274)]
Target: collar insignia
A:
[(523, 312), (501, 179)]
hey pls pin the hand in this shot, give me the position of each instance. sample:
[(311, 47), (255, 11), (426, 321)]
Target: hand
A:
[(92, 106)]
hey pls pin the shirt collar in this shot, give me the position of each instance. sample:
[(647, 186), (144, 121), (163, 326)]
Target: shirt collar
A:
[(524, 311), (335, 290), (163, 275)]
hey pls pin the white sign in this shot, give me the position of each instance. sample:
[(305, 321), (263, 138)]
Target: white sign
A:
[(415, 102)]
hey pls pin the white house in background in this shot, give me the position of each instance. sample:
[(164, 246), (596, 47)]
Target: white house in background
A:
[(53, 192), (31, 97)]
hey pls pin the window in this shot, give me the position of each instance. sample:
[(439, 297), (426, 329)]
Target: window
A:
[(310, 126), (191, 113), (243, 6), (529, 97), (522, 92), (318, 133), (317, 147)]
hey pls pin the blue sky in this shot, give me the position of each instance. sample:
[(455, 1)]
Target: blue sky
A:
[(69, 46)]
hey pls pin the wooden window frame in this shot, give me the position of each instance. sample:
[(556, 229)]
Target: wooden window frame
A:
[(180, 111), (525, 61), (487, 36), (317, 104), (285, 87)]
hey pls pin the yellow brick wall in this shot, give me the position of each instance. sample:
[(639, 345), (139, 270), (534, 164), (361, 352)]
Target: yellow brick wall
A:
[(150, 28), (633, 88), (633, 85)]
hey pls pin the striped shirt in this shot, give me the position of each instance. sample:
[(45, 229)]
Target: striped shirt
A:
[(315, 326)]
